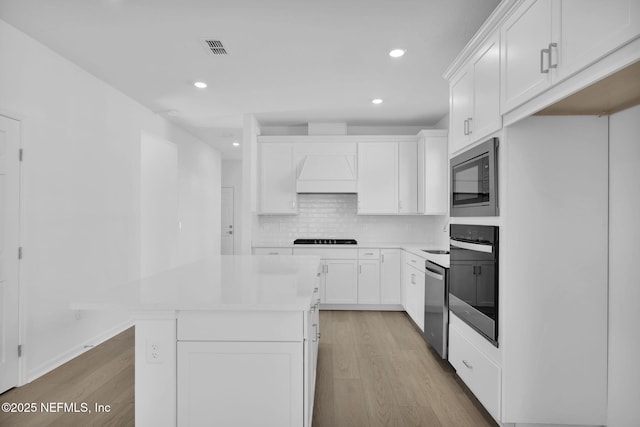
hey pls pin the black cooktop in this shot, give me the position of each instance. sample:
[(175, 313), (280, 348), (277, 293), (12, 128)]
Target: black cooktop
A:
[(325, 242)]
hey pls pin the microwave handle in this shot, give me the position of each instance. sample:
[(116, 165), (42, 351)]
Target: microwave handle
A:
[(471, 246)]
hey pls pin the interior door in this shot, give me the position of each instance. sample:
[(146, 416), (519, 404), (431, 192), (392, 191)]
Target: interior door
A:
[(228, 231), (9, 243)]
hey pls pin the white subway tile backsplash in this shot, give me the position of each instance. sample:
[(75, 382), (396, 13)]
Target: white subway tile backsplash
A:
[(334, 216)]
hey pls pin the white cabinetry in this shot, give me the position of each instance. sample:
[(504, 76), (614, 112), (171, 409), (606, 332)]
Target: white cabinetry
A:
[(546, 41), (277, 179), (378, 178), (476, 369), (341, 281), (390, 292), (387, 178), (368, 276), (407, 178), (475, 97), (433, 172), (413, 287)]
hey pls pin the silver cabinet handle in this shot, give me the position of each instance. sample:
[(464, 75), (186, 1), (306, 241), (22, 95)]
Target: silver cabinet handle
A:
[(382, 258), (360, 267), (469, 131), (369, 253), (467, 364), (466, 123), (327, 268), (316, 333), (273, 253), (479, 270), (542, 69), (413, 279), (551, 64), (413, 261)]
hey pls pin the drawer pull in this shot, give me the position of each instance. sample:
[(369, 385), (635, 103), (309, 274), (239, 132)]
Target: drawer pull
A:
[(273, 253), (467, 364), (369, 253)]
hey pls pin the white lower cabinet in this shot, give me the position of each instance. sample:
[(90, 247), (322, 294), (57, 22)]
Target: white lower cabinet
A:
[(218, 381), (341, 281), (390, 292), (478, 371), (413, 290), (369, 281)]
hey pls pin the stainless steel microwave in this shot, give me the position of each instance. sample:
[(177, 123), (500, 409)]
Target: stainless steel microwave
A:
[(474, 181)]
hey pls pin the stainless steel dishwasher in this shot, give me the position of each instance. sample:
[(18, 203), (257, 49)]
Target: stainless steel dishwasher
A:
[(436, 307)]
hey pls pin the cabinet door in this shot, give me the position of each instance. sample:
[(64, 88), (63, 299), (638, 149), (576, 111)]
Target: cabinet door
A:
[(433, 197), (369, 282), (408, 178), (278, 180), (415, 298), (461, 110), (390, 276), (523, 37), (218, 381), (341, 281), (586, 30), (486, 86), (378, 178)]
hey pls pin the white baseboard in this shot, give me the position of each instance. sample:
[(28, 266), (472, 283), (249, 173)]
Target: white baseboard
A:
[(76, 351), (362, 307)]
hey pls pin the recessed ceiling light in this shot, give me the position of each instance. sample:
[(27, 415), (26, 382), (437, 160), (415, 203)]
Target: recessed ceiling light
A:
[(397, 53), (235, 143), (200, 85), (377, 101)]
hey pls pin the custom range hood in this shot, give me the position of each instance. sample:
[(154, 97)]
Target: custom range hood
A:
[(326, 172)]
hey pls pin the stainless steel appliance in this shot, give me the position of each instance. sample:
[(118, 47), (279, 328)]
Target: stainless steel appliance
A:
[(474, 181), (436, 307), (473, 277)]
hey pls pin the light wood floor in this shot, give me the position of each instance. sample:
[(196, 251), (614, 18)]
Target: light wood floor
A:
[(374, 369), (104, 375)]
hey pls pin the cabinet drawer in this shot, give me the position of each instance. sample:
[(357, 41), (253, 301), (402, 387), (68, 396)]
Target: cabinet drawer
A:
[(413, 260), (240, 326), (368, 253), (272, 251), (328, 253), (478, 372)]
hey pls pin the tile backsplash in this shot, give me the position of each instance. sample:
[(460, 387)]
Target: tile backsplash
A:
[(334, 216)]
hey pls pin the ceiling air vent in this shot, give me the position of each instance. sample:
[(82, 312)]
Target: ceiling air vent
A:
[(215, 47)]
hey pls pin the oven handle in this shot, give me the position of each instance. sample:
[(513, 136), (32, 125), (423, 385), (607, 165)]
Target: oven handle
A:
[(471, 246)]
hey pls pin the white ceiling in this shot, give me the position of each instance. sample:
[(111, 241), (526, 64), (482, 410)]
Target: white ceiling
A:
[(290, 61)]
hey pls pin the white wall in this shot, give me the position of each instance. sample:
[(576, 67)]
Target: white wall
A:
[(81, 195), (624, 253), (232, 177)]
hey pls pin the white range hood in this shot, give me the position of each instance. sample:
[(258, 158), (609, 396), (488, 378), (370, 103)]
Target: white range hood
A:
[(326, 173)]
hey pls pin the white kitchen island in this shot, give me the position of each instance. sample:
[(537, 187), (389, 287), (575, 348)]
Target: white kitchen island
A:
[(230, 341)]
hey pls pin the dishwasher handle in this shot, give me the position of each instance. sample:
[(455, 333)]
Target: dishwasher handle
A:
[(433, 274)]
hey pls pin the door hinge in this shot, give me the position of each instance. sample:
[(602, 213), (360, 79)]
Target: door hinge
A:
[(20, 350), (20, 252), (20, 154)]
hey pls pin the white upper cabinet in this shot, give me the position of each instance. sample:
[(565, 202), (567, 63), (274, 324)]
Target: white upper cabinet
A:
[(475, 97), (526, 41), (277, 179), (378, 178), (408, 178), (586, 30), (433, 172), (545, 41)]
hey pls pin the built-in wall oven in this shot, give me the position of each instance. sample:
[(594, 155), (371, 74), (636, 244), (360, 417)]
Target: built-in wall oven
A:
[(473, 277), (474, 181)]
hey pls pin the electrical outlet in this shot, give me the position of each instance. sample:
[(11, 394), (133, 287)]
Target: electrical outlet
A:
[(154, 352)]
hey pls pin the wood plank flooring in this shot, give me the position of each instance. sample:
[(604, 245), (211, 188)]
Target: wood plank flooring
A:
[(374, 369), (104, 375)]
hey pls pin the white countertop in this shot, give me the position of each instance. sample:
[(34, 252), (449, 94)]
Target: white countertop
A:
[(246, 282), (414, 248)]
